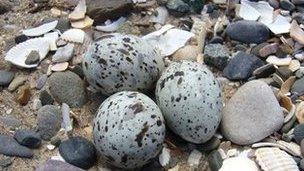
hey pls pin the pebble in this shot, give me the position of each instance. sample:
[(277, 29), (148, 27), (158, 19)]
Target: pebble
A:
[(32, 58), (268, 50), (17, 81), (274, 3), (215, 160), (242, 66), (279, 61), (21, 38), (37, 104), (102, 10), (67, 123), (256, 49), (52, 165), (259, 33), (302, 164), (284, 72), (24, 95), (63, 25), (216, 55), (177, 7), (77, 69), (49, 121), (41, 1), (28, 138), (216, 40), (5, 161), (10, 147), (6, 77), (251, 114), (79, 152), (212, 144), (4, 7), (196, 6), (287, 5), (10, 121), (45, 98), (41, 81), (64, 54), (299, 133), (67, 87), (302, 147), (264, 71), (297, 2), (300, 72), (58, 67), (298, 86)]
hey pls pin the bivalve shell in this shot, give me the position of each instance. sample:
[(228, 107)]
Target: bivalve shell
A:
[(274, 159), (239, 164), (73, 35), (79, 11), (38, 31), (294, 65)]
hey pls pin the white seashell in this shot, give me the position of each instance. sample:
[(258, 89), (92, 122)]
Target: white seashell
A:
[(295, 148), (50, 147), (278, 61), (58, 157), (269, 144), (18, 54), (38, 31), (164, 157), (85, 23), (294, 65), (79, 11), (73, 35), (60, 66), (161, 15), (113, 26), (232, 153), (52, 37), (222, 153), (239, 164), (194, 158), (274, 159)]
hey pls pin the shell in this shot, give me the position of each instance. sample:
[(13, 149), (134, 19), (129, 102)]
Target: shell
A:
[(38, 31), (269, 144), (300, 112), (279, 61), (60, 66), (294, 65), (164, 157), (285, 88), (295, 148), (160, 16), (113, 26), (296, 32), (85, 23), (79, 11), (73, 35), (52, 37), (239, 164), (17, 55), (274, 159)]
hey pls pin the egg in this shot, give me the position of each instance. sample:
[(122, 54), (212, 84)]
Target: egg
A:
[(128, 130), (117, 62), (189, 97)]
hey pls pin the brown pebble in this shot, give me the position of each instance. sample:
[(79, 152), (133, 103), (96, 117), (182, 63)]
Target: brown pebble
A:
[(268, 50), (24, 95)]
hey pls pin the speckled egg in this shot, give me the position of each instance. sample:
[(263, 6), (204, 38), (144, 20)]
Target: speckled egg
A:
[(129, 129), (117, 62), (190, 99)]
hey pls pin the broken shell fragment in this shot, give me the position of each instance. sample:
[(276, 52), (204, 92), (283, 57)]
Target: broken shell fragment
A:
[(239, 164), (294, 65), (79, 11), (73, 35), (272, 159), (38, 31), (19, 53), (60, 66), (52, 38), (278, 61), (300, 112), (112, 26), (81, 24), (296, 32)]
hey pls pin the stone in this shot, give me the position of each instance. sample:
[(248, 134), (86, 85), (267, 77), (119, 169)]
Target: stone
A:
[(28, 138), (297, 2), (298, 87), (212, 144), (196, 6), (10, 121), (6, 77), (52, 165), (21, 38), (5, 7), (5, 161), (58, 67), (251, 114), (67, 87), (287, 5), (45, 98), (177, 7), (215, 160), (284, 72), (67, 122), (63, 24), (102, 10), (264, 71), (302, 164), (300, 72), (37, 104), (299, 133), (248, 31), (32, 58), (10, 147), (79, 152), (41, 1), (216, 55), (274, 3), (241, 66), (64, 54), (24, 95), (41, 81), (77, 69), (302, 147), (49, 121), (268, 50), (256, 49), (17, 81)]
